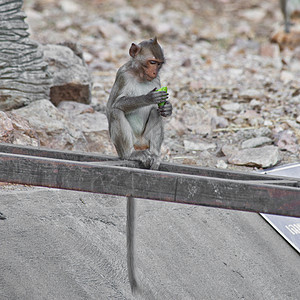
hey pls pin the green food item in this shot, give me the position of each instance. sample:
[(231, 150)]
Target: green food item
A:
[(164, 88)]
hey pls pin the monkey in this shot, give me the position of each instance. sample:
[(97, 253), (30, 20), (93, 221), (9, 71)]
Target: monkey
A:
[(288, 7), (135, 123), (135, 120)]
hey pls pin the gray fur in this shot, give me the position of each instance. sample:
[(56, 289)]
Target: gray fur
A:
[(134, 119)]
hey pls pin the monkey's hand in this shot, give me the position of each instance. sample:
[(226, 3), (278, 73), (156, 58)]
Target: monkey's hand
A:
[(155, 97), (165, 110)]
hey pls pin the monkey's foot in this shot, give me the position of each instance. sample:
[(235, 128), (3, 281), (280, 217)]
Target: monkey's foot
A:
[(144, 156)]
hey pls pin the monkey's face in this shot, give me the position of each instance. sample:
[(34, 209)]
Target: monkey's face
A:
[(151, 68)]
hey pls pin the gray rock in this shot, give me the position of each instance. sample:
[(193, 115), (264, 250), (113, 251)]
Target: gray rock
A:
[(198, 146), (53, 129), (255, 103), (108, 30), (91, 123), (23, 72), (23, 133), (229, 150), (263, 157), (6, 128), (232, 107), (221, 164), (71, 78), (286, 140), (16, 130), (197, 120), (256, 142), (221, 122), (262, 131), (252, 94)]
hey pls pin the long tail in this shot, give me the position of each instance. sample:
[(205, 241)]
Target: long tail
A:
[(130, 243)]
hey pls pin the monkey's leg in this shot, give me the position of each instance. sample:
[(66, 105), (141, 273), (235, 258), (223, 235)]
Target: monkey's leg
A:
[(155, 134), (130, 228), (121, 134), (123, 138)]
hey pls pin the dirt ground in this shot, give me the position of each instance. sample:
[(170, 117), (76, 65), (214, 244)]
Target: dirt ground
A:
[(59, 244)]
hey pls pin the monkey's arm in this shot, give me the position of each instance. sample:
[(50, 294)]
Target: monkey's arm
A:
[(128, 104), (122, 94)]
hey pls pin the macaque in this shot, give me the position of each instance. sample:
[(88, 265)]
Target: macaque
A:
[(288, 7), (135, 119)]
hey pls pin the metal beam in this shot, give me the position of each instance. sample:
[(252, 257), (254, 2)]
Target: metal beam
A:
[(164, 166), (227, 193)]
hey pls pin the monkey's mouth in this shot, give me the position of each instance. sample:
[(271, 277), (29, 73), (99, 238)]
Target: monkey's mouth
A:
[(149, 78)]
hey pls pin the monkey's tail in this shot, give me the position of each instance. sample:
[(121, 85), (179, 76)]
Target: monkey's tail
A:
[(130, 243)]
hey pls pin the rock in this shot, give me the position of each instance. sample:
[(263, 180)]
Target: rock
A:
[(187, 63), (23, 133), (249, 115), (196, 85), (164, 28), (6, 128), (221, 164), (268, 123), (256, 142), (262, 131), (88, 57), (229, 150), (108, 30), (197, 120), (206, 159), (253, 14), (235, 72), (16, 130), (71, 78), (23, 72), (255, 103), (286, 76), (231, 107), (221, 122), (175, 127), (263, 157), (189, 161), (93, 125), (53, 129), (252, 94), (198, 146), (286, 140), (270, 50), (69, 7)]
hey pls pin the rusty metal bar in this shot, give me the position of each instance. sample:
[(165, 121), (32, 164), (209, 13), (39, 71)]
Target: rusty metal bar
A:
[(165, 186), (165, 166)]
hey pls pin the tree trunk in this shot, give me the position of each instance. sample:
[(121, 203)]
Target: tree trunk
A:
[(23, 72)]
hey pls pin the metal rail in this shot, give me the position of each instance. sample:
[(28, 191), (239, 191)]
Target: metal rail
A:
[(172, 183)]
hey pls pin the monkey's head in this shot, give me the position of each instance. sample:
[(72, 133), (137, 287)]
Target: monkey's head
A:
[(149, 58)]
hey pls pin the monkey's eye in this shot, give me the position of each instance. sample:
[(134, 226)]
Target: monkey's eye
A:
[(153, 62)]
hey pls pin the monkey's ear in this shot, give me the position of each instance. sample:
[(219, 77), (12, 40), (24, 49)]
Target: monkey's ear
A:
[(134, 50)]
